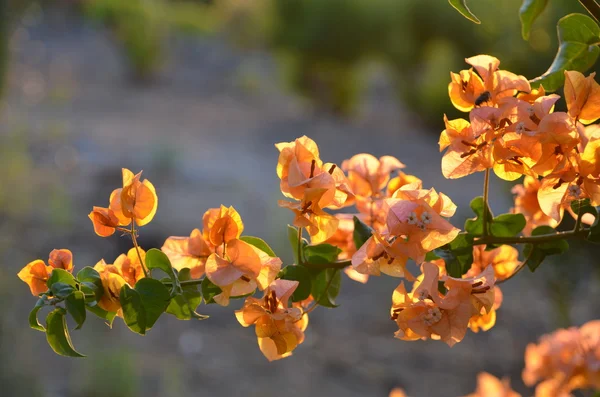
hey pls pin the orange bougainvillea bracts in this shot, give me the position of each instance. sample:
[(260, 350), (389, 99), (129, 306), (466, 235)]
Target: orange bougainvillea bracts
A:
[(490, 386), (526, 203), (279, 328), (313, 185), (35, 274), (136, 201), (188, 252), (564, 360)]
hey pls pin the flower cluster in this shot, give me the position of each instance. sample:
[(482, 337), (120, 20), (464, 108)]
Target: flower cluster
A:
[(564, 360), (36, 274), (515, 131)]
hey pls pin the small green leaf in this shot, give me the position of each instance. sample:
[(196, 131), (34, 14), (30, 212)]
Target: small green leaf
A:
[(156, 259), (33, 320), (302, 275), (183, 306), (155, 299), (75, 304), (507, 225), (530, 10), (474, 226), (134, 313), (109, 317), (461, 6), (584, 207), (536, 253), (578, 37), (260, 244), (57, 334), (321, 254), (61, 276), (90, 282), (326, 287), (293, 238), (61, 290), (361, 232), (209, 290), (458, 255)]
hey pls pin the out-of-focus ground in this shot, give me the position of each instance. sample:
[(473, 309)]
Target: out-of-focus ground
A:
[(204, 136)]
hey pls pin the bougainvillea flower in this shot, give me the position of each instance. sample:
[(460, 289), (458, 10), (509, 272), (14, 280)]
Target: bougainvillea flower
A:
[(35, 274), (400, 180), (278, 327), (238, 268), (484, 321), (504, 260), (397, 392), (425, 313), (104, 220), (375, 256), (526, 203), (343, 239), (468, 89), (112, 282), (582, 95), (297, 160), (223, 226), (130, 267), (490, 386), (188, 252), (136, 200), (368, 175), (415, 216), (563, 361)]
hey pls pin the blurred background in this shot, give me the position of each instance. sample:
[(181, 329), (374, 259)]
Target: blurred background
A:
[(196, 93)]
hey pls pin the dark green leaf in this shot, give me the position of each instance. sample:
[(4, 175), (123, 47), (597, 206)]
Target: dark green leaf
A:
[(431, 256), (361, 233), (584, 207), (155, 299), (260, 244), (461, 6), (109, 317), (209, 290), (183, 306), (474, 226), (536, 253), (57, 334), (507, 225), (458, 255), (134, 313), (326, 287), (321, 254), (293, 238), (33, 320), (90, 282), (75, 304), (61, 290), (156, 259), (303, 276), (530, 10), (60, 276), (578, 37)]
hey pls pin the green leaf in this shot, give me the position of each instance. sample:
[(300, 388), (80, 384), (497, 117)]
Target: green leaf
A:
[(156, 259), (474, 226), (321, 254), (507, 225), (584, 207), (293, 238), (155, 299), (578, 37), (209, 290), (302, 275), (60, 276), (260, 244), (90, 282), (458, 255), (109, 317), (361, 232), (57, 334), (536, 253), (61, 290), (461, 6), (183, 306), (530, 10), (75, 304), (33, 320), (326, 287), (134, 313)]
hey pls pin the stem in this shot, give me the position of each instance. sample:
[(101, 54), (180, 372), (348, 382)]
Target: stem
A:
[(592, 7), (300, 261), (542, 238), (486, 186), (579, 217), (184, 283), (137, 248)]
